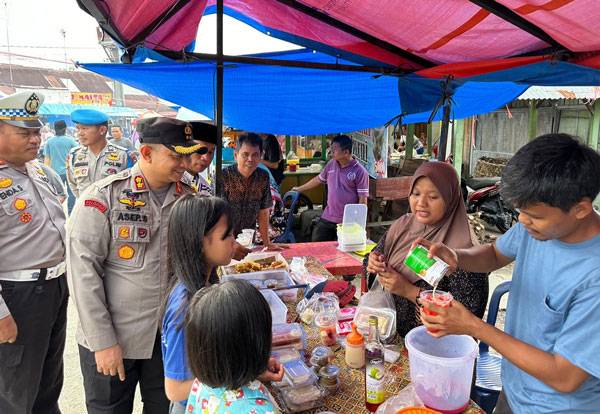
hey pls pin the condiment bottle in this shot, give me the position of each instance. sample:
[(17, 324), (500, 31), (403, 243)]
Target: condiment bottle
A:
[(355, 349), (374, 368)]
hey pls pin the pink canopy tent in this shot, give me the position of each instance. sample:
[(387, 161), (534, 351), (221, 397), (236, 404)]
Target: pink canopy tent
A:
[(410, 34), (453, 40)]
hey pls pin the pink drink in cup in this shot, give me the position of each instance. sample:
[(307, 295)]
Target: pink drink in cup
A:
[(435, 297)]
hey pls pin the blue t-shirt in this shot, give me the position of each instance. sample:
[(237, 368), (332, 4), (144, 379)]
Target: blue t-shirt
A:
[(57, 148), (554, 305), (173, 338)]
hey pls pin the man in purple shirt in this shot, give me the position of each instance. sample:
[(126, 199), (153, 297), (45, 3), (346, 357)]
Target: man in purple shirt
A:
[(347, 183)]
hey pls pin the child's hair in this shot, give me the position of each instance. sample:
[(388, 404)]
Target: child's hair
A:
[(228, 334), (554, 169), (191, 218)]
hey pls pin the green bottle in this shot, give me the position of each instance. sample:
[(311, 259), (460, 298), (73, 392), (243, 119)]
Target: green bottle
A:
[(374, 368)]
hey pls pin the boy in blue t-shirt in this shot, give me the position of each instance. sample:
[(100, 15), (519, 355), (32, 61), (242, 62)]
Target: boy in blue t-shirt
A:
[(551, 337)]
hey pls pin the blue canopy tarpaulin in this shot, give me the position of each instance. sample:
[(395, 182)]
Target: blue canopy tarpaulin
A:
[(290, 100)]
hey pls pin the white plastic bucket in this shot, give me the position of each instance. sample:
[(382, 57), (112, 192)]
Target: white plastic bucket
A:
[(441, 369)]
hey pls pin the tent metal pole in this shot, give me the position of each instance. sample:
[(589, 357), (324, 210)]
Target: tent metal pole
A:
[(219, 108), (207, 57), (444, 133), (517, 20)]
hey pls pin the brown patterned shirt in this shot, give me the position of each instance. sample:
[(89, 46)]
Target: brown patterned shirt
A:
[(247, 196)]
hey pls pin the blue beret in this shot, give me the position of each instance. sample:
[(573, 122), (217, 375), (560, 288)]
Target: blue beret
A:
[(89, 117)]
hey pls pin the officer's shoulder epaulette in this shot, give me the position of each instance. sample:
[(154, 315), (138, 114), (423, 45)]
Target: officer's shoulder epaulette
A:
[(120, 176), (75, 149)]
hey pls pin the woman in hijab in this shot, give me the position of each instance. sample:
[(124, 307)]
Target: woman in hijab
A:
[(437, 214)]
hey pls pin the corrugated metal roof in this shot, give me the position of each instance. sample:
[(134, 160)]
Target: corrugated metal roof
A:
[(561, 92)]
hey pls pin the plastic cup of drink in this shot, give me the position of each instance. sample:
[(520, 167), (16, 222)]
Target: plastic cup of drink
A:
[(327, 324), (441, 299)]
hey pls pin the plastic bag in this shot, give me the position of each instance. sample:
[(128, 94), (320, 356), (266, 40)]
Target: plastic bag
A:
[(302, 275), (319, 302), (406, 398), (381, 303)]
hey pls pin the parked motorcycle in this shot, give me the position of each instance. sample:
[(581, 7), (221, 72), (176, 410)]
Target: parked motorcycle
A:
[(482, 195)]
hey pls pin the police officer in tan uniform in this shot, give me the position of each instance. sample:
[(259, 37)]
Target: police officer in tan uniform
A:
[(95, 158), (33, 288), (117, 262), (206, 135)]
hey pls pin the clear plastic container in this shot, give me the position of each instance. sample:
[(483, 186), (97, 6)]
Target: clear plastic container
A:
[(329, 379), (288, 335), (302, 399), (327, 324), (386, 321), (270, 280), (298, 374), (284, 355), (278, 308), (321, 356), (441, 369), (352, 235)]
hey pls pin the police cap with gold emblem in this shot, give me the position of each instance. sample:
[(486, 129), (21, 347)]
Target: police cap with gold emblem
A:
[(176, 135), (204, 131), (20, 109), (89, 117)]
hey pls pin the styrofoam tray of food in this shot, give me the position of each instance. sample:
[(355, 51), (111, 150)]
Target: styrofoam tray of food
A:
[(274, 279), (257, 263)]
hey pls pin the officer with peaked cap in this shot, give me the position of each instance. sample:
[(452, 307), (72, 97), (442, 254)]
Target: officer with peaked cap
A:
[(33, 288), (95, 158), (206, 135), (116, 244)]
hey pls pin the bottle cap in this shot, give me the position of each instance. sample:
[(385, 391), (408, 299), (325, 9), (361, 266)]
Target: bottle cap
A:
[(354, 337)]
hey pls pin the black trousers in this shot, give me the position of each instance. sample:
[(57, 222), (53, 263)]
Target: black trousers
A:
[(324, 230), (31, 369), (108, 395)]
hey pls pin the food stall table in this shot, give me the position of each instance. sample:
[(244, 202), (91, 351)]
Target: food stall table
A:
[(350, 399), (338, 263)]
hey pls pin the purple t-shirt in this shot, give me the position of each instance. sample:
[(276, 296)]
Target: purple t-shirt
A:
[(344, 186)]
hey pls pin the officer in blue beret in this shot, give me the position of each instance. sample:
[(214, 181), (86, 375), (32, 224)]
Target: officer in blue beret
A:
[(95, 158)]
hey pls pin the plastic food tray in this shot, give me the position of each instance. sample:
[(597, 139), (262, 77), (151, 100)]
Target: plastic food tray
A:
[(284, 355), (262, 280), (276, 256), (386, 320), (302, 399), (278, 308), (297, 374), (288, 335)]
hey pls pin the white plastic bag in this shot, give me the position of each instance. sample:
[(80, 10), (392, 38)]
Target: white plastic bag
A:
[(326, 302), (406, 398), (381, 303)]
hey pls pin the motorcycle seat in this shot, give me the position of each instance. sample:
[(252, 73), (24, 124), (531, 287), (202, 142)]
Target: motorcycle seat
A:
[(480, 182)]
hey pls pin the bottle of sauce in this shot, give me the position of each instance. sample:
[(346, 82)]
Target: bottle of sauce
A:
[(355, 349), (374, 368)]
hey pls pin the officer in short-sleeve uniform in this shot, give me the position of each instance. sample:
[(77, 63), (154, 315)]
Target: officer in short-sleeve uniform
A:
[(95, 158), (33, 288), (117, 250)]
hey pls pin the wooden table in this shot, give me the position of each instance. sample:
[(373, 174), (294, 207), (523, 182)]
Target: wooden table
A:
[(350, 397), (338, 263)]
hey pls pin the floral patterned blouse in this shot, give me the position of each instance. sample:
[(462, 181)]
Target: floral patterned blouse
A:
[(253, 398)]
